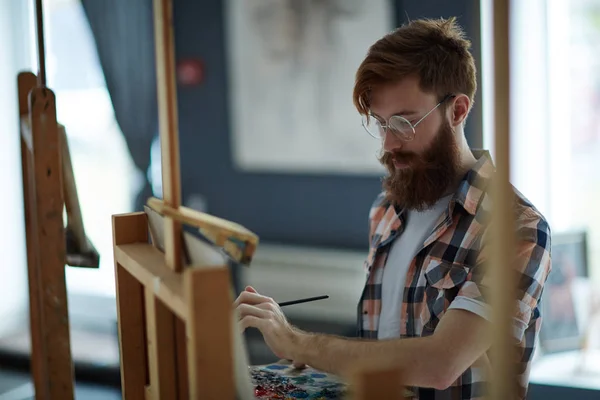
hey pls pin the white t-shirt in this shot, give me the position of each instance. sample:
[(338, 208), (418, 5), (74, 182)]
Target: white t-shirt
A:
[(418, 226)]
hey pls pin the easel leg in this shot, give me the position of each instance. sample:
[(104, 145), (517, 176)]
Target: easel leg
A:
[(378, 383), (210, 354), (50, 243), (182, 362), (26, 82), (131, 228), (160, 328)]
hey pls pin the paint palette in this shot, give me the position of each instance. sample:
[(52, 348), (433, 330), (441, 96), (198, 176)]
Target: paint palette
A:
[(282, 381)]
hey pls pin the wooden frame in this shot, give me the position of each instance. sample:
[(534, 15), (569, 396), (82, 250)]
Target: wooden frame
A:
[(569, 265), (166, 349), (575, 244)]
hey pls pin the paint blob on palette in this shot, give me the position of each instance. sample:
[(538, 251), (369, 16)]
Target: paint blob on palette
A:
[(282, 381)]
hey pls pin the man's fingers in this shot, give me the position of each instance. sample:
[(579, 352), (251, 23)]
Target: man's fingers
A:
[(268, 305), (251, 298), (250, 321), (247, 309), (299, 365)]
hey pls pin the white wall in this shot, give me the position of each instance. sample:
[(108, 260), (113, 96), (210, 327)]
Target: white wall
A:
[(293, 272), (14, 56)]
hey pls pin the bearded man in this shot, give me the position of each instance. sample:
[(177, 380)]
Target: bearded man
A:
[(425, 305)]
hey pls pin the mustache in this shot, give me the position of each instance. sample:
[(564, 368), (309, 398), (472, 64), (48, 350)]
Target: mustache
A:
[(404, 157)]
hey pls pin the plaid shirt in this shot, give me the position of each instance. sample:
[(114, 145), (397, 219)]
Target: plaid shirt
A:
[(448, 267)]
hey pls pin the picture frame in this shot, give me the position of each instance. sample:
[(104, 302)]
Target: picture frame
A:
[(574, 245), (291, 73), (563, 327)]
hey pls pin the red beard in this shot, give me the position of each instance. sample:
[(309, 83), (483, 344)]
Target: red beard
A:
[(427, 178)]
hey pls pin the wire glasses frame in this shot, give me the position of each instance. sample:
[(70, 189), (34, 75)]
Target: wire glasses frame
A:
[(402, 128)]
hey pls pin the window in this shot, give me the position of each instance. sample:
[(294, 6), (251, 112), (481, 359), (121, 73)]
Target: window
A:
[(555, 84), (555, 142), (105, 175), (577, 114), (13, 266)]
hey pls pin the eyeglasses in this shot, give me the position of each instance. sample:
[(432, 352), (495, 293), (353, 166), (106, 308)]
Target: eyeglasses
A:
[(402, 128)]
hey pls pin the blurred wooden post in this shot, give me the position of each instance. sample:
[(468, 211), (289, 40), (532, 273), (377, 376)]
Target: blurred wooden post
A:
[(51, 362), (210, 355), (377, 383), (502, 255)]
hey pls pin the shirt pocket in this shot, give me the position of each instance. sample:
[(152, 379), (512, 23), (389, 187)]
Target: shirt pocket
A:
[(443, 281)]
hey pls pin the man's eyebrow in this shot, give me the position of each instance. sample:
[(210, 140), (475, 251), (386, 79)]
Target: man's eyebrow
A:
[(400, 113)]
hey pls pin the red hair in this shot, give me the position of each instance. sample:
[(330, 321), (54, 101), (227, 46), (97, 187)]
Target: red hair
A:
[(434, 50)]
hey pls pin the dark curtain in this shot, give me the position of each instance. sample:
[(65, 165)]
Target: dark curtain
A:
[(124, 35)]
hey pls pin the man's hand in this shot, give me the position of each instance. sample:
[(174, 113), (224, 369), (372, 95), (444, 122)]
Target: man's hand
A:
[(263, 313)]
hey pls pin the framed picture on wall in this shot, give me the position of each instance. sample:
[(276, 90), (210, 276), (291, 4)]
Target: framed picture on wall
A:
[(563, 315), (292, 66), (571, 248)]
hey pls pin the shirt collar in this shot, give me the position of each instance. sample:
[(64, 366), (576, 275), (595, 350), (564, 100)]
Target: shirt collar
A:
[(474, 185)]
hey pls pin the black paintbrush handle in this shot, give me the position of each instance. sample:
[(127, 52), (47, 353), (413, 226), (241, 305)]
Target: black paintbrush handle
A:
[(289, 303)]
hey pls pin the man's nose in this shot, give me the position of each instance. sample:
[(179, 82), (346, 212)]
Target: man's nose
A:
[(391, 142)]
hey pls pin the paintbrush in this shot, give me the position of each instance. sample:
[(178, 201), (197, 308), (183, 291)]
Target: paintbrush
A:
[(306, 300)]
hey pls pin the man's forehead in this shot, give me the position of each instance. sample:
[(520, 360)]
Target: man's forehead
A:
[(404, 97)]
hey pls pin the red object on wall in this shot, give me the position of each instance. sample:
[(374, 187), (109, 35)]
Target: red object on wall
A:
[(190, 72)]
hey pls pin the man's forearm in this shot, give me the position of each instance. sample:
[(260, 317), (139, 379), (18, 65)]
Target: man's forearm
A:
[(416, 358)]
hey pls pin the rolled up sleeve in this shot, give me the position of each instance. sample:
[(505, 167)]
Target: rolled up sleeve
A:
[(532, 266)]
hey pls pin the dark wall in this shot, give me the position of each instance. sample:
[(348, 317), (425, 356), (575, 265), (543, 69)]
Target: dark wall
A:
[(468, 13), (317, 210)]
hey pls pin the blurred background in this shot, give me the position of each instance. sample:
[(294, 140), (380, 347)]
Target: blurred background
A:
[(269, 139)]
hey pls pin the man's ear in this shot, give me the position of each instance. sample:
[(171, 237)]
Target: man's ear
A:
[(459, 109)]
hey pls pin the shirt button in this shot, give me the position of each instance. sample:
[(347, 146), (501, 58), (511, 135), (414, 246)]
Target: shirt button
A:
[(365, 312)]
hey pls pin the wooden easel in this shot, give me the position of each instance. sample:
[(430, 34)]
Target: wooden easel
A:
[(503, 294), (49, 187), (51, 362), (175, 325)]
